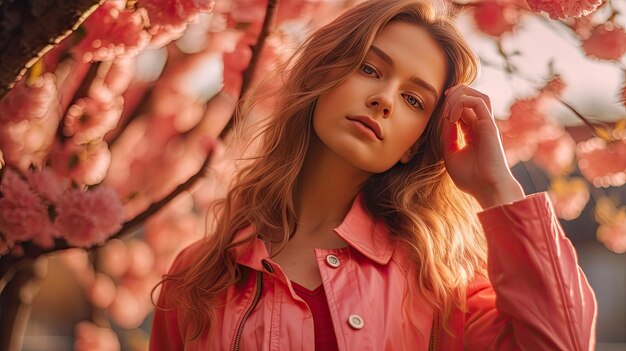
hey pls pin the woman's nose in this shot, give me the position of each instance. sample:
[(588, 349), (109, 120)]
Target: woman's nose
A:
[(382, 103)]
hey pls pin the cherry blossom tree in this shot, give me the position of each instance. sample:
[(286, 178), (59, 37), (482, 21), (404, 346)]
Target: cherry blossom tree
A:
[(114, 124)]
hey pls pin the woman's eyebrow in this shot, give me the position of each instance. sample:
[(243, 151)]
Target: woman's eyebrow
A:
[(415, 80)]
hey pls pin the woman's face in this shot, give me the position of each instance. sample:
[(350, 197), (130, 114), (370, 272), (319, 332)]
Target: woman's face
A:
[(394, 92)]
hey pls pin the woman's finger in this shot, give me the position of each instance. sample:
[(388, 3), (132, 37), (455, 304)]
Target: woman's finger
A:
[(469, 136), (450, 137), (472, 102), (455, 92)]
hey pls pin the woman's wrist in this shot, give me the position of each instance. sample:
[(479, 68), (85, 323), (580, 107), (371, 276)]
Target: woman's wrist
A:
[(500, 193)]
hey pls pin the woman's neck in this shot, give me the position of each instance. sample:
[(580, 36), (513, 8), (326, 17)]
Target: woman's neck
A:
[(326, 188)]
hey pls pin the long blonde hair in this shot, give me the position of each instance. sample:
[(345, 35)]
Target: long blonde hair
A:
[(419, 203)]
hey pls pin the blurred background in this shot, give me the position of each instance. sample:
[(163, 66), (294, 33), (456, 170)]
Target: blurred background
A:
[(114, 124)]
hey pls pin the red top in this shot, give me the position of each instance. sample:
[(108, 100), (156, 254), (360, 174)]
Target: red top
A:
[(325, 338)]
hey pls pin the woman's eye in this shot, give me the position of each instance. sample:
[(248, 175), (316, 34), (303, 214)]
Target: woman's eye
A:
[(415, 101), (367, 69)]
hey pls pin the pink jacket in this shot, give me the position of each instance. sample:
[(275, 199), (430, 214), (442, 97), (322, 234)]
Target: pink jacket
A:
[(537, 298)]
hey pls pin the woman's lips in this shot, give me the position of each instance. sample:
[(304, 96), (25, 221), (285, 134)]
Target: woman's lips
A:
[(370, 124)]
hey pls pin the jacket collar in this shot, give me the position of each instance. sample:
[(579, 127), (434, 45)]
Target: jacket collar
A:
[(359, 229)]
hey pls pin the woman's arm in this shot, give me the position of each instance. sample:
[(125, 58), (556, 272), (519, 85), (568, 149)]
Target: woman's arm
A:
[(539, 298)]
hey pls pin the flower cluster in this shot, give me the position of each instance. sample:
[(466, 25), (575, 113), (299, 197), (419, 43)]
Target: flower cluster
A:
[(29, 116), (495, 18), (174, 13), (603, 162), (612, 225), (111, 31), (564, 8), (606, 42), (44, 206)]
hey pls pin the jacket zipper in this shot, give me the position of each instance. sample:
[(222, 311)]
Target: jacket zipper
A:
[(257, 296), (433, 334)]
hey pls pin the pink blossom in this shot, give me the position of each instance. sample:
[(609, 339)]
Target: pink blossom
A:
[(171, 229), (613, 235), (112, 79), (218, 111), (79, 264), (232, 83), (86, 218), (142, 258), (23, 216), (132, 146), (528, 119), (119, 74), (247, 15), (494, 18), (516, 149), (48, 184), (126, 309), (607, 42), (84, 163), (235, 63), (90, 119), (114, 258), (569, 197), (526, 126), (90, 337), (163, 35), (174, 13), (612, 224), (225, 41), (141, 288), (294, 9), (581, 25), (603, 163), (555, 155), (70, 74), (175, 99), (102, 292), (29, 101), (564, 8), (29, 117), (112, 31)]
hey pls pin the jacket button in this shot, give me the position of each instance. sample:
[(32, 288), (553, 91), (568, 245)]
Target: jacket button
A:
[(355, 321), (333, 261), (267, 266)]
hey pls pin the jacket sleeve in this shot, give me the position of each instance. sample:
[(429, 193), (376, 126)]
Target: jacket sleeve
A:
[(538, 297)]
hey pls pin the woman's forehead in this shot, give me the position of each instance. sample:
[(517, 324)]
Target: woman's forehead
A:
[(412, 50)]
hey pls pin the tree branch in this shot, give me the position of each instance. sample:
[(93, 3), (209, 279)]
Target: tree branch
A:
[(248, 74), (32, 251)]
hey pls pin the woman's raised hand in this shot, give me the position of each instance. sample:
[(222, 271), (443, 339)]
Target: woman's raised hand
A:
[(479, 167)]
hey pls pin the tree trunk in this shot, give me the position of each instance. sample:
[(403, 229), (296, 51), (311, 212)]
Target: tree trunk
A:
[(30, 28)]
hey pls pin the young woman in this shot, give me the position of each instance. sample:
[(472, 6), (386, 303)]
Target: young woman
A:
[(358, 226)]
